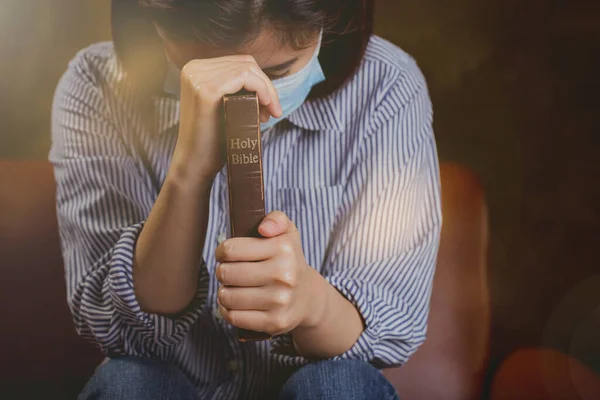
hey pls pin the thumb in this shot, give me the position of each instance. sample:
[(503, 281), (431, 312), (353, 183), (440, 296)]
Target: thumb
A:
[(276, 223)]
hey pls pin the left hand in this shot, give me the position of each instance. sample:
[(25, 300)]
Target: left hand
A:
[(267, 285)]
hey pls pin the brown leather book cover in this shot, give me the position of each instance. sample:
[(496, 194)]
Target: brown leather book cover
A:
[(244, 173)]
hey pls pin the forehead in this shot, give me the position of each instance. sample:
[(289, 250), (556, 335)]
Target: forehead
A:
[(268, 48)]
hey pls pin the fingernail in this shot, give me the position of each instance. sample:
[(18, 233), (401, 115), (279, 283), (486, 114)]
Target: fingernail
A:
[(268, 224)]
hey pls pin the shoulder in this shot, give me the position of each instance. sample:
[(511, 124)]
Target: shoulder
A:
[(390, 66), (95, 64), (391, 76), (387, 78), (90, 85), (92, 72), (81, 110), (388, 87)]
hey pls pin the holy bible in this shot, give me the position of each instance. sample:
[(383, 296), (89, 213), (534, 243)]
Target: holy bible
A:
[(244, 173)]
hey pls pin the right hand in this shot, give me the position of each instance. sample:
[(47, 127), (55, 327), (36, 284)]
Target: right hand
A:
[(203, 85)]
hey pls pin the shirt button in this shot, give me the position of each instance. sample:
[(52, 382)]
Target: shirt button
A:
[(221, 238), (233, 366)]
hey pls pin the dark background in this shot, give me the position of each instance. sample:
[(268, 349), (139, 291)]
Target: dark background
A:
[(515, 85)]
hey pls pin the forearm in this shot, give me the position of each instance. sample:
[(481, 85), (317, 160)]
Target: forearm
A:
[(170, 245), (334, 329)]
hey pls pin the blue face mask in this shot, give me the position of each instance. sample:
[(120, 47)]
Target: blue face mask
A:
[(293, 90)]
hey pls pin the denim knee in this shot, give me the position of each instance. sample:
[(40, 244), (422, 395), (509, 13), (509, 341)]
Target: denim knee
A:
[(134, 378), (337, 380)]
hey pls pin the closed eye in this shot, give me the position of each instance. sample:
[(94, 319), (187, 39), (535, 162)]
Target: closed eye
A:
[(278, 76), (275, 71)]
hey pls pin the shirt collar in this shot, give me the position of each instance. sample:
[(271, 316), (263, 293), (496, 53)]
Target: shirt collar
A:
[(317, 115)]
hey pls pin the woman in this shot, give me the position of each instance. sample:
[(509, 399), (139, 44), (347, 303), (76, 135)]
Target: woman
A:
[(342, 275)]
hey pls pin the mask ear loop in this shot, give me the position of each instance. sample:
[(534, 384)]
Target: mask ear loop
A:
[(320, 42)]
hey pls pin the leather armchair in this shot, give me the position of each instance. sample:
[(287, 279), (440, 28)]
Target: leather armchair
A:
[(452, 363), (544, 374), (43, 357)]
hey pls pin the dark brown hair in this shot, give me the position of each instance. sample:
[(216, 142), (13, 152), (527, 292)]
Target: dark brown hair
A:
[(347, 26)]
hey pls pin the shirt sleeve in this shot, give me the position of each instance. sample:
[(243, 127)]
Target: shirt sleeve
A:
[(103, 199), (383, 252)]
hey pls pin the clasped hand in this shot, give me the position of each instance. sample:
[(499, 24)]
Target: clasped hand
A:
[(266, 284)]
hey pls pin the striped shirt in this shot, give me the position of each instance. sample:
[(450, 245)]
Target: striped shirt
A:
[(357, 172)]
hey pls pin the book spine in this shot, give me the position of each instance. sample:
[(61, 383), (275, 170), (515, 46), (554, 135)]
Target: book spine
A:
[(244, 173)]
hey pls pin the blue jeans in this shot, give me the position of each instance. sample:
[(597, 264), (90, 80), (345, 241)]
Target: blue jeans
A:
[(133, 378)]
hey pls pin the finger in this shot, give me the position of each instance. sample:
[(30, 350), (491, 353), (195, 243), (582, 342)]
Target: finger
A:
[(249, 274), (246, 249), (264, 114), (276, 223), (242, 78), (208, 69), (274, 106), (204, 72), (274, 323), (205, 64), (229, 58), (253, 298), (252, 320), (205, 85), (211, 93)]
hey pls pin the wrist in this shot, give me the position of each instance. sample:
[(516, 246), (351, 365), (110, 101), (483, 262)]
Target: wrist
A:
[(186, 177), (319, 300)]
